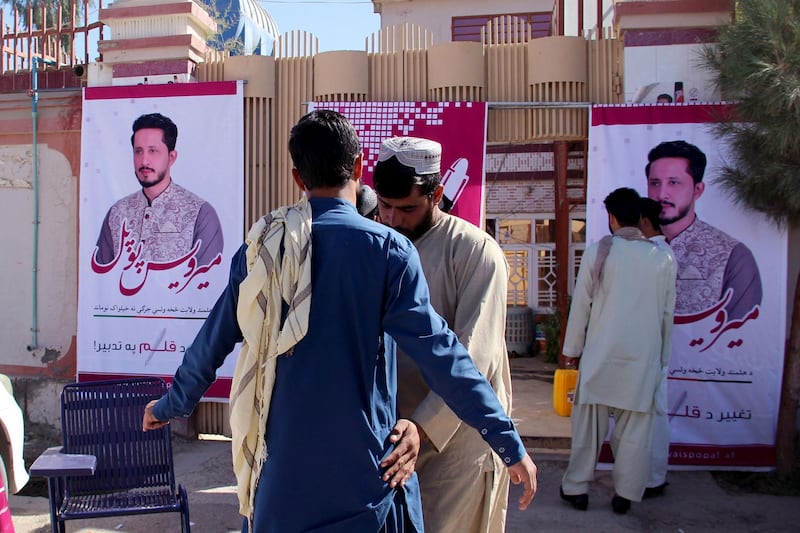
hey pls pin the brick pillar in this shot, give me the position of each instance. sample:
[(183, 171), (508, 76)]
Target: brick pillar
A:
[(154, 41)]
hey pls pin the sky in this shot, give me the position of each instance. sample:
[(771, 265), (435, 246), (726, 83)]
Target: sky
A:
[(339, 24), (345, 24)]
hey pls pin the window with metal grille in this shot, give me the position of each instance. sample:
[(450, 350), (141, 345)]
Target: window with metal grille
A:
[(529, 245), (469, 28)]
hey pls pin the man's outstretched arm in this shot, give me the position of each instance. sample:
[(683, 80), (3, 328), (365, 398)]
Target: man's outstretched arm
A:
[(215, 340)]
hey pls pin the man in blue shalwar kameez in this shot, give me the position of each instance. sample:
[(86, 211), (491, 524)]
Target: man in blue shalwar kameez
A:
[(327, 448)]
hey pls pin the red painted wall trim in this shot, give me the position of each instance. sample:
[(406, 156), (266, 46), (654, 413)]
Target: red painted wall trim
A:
[(62, 78), (164, 89), (711, 455), (148, 42), (152, 68), (535, 175), (661, 114), (220, 388), (155, 10), (530, 148), (668, 36), (667, 7)]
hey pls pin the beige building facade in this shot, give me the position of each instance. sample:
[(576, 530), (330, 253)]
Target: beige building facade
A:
[(437, 15)]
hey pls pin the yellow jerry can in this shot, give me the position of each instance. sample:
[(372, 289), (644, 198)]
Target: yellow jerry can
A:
[(564, 384)]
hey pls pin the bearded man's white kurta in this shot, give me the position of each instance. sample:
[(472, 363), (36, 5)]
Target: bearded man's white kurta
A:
[(464, 485)]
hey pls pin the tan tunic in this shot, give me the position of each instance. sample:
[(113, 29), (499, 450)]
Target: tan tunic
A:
[(464, 486), (620, 327)]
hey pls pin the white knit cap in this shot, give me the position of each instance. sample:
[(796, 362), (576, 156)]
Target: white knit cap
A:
[(423, 155)]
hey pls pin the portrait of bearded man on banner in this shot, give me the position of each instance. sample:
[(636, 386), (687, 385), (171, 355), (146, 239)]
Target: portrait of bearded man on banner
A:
[(712, 265), (167, 220)]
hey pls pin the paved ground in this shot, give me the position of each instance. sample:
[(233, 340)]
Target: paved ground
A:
[(692, 503)]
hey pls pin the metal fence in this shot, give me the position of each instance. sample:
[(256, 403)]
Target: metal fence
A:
[(59, 34)]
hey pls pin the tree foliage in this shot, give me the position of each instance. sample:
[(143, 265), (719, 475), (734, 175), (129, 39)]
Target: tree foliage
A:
[(225, 13), (43, 15), (51, 12), (756, 65)]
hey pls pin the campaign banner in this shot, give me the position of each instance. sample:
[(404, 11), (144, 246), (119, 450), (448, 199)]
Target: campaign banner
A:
[(159, 221), (460, 127), (730, 321)]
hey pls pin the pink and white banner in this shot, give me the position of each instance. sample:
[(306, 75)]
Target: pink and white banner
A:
[(460, 127), (725, 370), (150, 272)]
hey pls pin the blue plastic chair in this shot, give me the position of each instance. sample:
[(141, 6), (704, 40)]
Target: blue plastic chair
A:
[(134, 471)]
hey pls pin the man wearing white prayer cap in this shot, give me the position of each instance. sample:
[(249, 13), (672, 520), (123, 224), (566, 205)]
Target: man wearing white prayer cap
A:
[(464, 485)]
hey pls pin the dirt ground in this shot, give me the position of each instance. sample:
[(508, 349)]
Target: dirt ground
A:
[(693, 502)]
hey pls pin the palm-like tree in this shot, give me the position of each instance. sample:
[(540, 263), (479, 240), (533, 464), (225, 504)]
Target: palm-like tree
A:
[(756, 64), (51, 10)]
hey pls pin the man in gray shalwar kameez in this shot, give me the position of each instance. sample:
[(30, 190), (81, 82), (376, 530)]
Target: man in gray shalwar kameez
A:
[(619, 328)]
